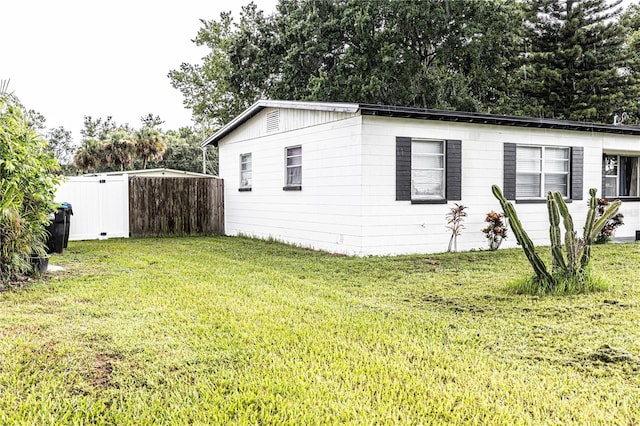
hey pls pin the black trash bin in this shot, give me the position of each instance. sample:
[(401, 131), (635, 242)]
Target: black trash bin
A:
[(68, 212), (58, 230)]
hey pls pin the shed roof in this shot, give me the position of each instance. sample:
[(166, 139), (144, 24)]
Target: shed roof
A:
[(422, 114), (160, 172)]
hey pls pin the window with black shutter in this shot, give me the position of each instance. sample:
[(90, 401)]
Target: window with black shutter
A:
[(428, 170)]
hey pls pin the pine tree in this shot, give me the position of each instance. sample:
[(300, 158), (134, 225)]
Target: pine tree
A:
[(575, 64)]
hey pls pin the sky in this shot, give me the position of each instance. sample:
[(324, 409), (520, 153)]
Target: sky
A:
[(71, 58)]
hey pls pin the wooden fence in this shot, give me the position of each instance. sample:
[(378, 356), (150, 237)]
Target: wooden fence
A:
[(165, 206)]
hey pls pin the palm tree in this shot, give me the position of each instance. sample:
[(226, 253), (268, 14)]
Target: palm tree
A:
[(119, 150), (149, 145), (88, 156)]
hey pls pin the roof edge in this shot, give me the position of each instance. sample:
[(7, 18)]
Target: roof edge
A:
[(419, 113), (502, 120), (265, 103)]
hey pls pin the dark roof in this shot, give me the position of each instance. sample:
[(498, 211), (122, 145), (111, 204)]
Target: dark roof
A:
[(422, 114), (499, 120)]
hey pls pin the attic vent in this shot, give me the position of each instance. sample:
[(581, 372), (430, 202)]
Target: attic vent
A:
[(273, 121)]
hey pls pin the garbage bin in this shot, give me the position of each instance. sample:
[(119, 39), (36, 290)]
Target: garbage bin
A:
[(58, 230), (68, 212)]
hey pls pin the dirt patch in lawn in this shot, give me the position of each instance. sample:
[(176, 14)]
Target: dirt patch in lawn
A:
[(103, 370)]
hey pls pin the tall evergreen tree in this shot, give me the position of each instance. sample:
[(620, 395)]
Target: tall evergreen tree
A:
[(575, 62)]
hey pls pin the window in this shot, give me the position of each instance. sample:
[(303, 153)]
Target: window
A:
[(245, 171), (621, 176), (540, 170), (293, 170), (427, 170)]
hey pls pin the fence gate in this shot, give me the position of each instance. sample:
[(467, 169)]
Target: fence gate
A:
[(100, 206), (166, 206)]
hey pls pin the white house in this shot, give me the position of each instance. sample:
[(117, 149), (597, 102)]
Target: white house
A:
[(374, 180)]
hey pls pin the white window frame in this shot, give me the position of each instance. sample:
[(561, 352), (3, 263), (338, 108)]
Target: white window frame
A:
[(544, 170), (288, 182), (246, 170), (617, 177), (441, 170)]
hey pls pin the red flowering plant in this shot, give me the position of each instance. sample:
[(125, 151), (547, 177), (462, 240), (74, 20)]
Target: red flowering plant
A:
[(496, 229)]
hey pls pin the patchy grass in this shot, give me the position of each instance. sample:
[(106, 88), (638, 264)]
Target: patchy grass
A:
[(231, 330)]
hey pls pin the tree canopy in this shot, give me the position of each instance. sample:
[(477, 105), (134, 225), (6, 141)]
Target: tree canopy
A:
[(553, 58)]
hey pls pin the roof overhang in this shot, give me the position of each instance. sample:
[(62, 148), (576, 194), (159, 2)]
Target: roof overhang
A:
[(498, 120), (422, 114), (262, 104)]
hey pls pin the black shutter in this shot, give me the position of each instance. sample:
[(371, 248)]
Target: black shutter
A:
[(454, 170), (577, 172), (509, 184), (403, 169)]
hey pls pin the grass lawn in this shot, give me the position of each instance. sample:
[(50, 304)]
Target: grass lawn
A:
[(230, 330)]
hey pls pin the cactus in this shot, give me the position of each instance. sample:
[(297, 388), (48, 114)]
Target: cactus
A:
[(577, 250), (523, 239), (571, 244), (592, 227), (557, 257)]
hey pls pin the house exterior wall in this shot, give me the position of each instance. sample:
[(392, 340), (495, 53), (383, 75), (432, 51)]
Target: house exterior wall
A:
[(325, 213), (397, 227), (621, 145), (348, 204)]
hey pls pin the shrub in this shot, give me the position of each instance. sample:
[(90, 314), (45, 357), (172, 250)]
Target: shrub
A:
[(610, 226), (26, 190), (496, 230), (455, 217)]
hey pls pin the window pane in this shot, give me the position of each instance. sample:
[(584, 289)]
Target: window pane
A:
[(428, 162), (556, 153), (556, 166), (528, 186), (634, 178), (294, 176), (296, 150), (427, 147), (245, 170), (427, 184), (294, 161), (556, 183), (611, 165), (245, 179), (628, 172), (611, 186)]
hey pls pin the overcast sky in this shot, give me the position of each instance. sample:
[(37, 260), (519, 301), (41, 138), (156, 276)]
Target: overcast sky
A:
[(71, 58)]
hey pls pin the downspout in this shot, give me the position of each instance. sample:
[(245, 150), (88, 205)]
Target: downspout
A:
[(204, 159)]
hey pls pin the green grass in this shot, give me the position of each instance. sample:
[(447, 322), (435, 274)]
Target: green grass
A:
[(231, 330)]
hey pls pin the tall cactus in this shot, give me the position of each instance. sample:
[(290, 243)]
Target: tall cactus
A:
[(572, 246), (557, 258), (592, 227), (523, 239)]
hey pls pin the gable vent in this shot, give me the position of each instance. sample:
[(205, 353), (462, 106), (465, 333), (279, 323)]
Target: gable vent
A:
[(273, 121)]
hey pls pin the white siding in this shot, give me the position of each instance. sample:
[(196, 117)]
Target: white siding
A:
[(347, 203), (325, 214), (396, 227)]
